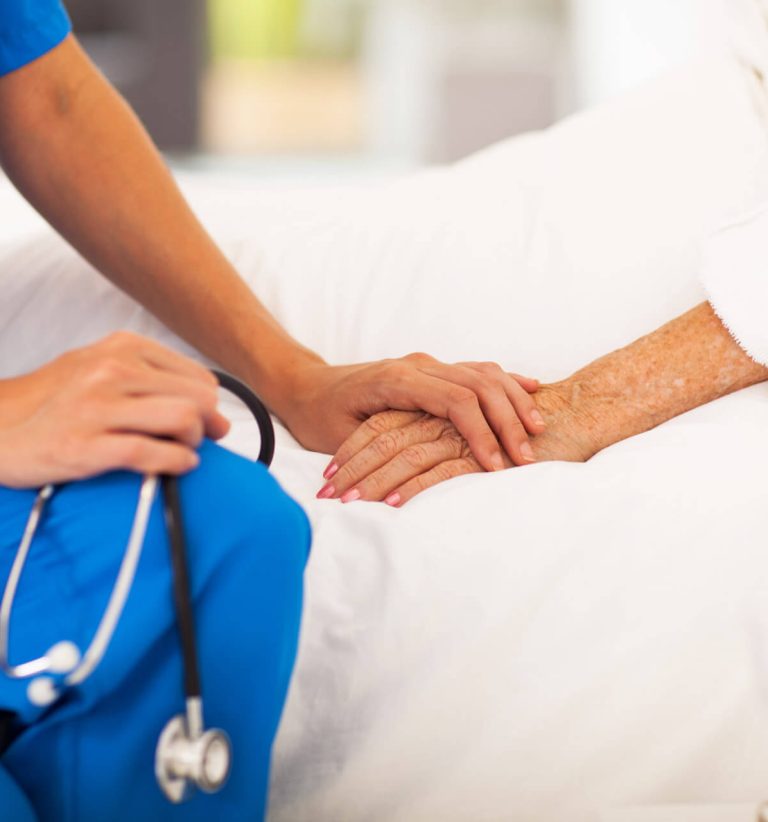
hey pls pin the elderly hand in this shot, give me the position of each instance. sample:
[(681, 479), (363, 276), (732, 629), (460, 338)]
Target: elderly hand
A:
[(124, 402), (491, 409), (395, 455)]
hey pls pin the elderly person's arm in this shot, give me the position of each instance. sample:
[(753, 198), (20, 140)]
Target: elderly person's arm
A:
[(685, 363), (80, 156)]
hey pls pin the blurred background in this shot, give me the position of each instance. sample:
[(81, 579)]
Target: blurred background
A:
[(357, 85)]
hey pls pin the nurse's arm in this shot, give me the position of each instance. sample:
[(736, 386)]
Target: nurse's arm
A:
[(78, 153), (688, 362)]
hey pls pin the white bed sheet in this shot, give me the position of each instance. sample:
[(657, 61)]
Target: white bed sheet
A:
[(557, 640)]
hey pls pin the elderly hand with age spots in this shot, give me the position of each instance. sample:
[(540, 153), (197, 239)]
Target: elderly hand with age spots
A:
[(418, 439), (396, 455), (688, 362)]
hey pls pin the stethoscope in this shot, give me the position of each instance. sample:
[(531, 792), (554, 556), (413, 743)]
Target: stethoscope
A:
[(187, 755)]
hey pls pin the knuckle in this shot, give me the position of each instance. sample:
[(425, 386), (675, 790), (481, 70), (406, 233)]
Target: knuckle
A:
[(493, 369), (418, 357), (106, 370), (187, 419), (210, 398), (377, 423), (444, 472), (415, 455), (454, 441), (386, 445), (119, 339)]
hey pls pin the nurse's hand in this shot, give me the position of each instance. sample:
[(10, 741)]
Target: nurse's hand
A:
[(125, 402), (396, 455), (493, 410)]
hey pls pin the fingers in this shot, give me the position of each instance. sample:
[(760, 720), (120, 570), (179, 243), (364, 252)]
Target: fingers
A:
[(204, 396), (144, 455), (168, 417), (459, 405), (518, 390), (366, 433), (409, 464), (440, 473), (391, 457), (506, 409), (530, 384), (117, 375)]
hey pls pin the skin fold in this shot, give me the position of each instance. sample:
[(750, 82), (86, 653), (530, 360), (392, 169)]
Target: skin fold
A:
[(688, 362), (77, 152)]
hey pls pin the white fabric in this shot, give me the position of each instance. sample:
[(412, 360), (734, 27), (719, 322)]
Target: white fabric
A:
[(546, 642), (734, 273), (734, 267)]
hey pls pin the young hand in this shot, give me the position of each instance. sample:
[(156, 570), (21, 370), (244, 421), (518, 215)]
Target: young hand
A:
[(491, 409), (125, 402)]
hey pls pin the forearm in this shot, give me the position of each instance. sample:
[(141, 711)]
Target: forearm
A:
[(688, 362), (81, 157)]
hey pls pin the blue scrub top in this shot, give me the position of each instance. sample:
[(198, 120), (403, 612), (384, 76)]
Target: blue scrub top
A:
[(29, 29)]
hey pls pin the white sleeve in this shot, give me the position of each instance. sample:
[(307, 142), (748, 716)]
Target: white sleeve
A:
[(734, 273)]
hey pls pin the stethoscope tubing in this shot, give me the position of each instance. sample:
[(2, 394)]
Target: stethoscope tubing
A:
[(182, 589), (123, 583)]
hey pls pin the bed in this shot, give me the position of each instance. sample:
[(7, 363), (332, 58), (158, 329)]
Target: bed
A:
[(554, 642)]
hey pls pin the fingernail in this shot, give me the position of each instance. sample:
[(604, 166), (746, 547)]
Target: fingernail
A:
[(527, 452), (194, 460), (326, 491), (330, 470), (497, 462), (351, 496), (393, 499), (537, 418)]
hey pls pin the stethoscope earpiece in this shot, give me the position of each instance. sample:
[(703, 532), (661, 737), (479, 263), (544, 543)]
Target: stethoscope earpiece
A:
[(62, 658), (42, 691)]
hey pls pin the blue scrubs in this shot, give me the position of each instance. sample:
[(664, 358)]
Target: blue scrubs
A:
[(29, 29), (91, 756)]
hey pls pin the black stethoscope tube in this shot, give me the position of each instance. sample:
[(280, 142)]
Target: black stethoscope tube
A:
[(182, 590), (257, 408)]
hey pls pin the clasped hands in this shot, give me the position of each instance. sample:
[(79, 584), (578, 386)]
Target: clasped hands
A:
[(128, 402), (395, 455)]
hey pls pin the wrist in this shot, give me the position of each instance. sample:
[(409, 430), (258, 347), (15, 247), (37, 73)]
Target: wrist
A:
[(571, 425), (589, 411), (283, 377)]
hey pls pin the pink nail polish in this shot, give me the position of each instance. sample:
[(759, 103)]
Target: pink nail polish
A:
[(393, 499), (330, 470), (326, 492), (351, 496)]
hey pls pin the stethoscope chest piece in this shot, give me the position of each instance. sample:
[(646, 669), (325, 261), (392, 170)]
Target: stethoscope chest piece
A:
[(185, 760)]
